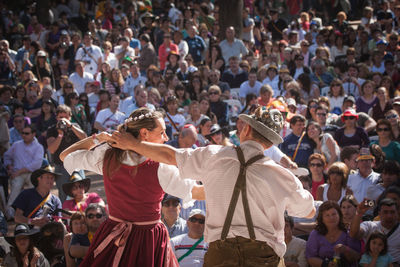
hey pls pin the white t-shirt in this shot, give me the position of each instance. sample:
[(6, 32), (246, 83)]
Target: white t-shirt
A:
[(274, 153), (110, 120), (79, 82), (246, 89), (178, 119), (112, 60), (182, 243), (90, 55)]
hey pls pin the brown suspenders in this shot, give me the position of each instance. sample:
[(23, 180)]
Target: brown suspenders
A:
[(240, 186)]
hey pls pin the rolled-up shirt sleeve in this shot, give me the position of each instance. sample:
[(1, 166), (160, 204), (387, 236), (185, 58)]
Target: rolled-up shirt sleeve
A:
[(171, 183), (90, 160), (37, 160)]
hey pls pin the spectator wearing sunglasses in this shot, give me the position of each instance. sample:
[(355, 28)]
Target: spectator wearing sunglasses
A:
[(385, 140), (95, 215), (350, 134), (190, 248), (171, 206)]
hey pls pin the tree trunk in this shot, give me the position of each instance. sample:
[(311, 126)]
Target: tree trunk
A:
[(230, 14), (42, 10)]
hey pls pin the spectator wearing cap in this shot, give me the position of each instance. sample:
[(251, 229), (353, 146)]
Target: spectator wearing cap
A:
[(350, 134), (134, 78), (89, 54), (23, 248), (297, 145), (190, 248), (109, 118), (364, 177), (123, 50), (148, 55), (390, 177), (34, 206), (232, 47), (299, 67), (165, 48), (170, 208), (80, 77), (23, 157), (276, 25), (196, 45)]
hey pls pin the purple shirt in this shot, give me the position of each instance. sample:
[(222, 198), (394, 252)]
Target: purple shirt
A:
[(21, 155), (319, 247), (362, 106)]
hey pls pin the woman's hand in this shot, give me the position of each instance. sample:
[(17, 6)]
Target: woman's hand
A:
[(104, 137), (123, 140), (35, 259)]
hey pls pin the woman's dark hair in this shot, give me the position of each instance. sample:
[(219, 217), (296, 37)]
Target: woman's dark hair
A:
[(339, 168), (308, 114), (313, 123), (146, 119), (393, 189), (249, 97), (327, 205), (351, 199), (86, 105), (31, 250), (374, 236), (69, 97), (379, 155), (386, 123), (305, 81), (202, 122)]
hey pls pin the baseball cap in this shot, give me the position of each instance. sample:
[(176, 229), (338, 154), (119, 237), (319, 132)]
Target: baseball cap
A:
[(194, 212), (365, 154)]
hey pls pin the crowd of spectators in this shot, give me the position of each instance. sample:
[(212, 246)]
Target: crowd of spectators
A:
[(332, 68)]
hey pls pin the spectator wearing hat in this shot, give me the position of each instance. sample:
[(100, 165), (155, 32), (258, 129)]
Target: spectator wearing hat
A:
[(196, 45), (41, 67), (23, 157), (232, 47), (165, 48), (77, 188), (190, 248), (210, 165), (350, 134), (148, 55), (134, 78), (170, 208), (297, 145), (34, 206), (360, 181), (123, 50), (23, 252), (89, 54), (80, 77), (217, 137), (146, 20)]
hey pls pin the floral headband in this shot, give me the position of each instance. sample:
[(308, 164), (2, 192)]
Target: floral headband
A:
[(137, 118)]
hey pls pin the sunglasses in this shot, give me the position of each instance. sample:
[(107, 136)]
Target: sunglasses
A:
[(349, 118), (382, 129), (313, 106), (83, 100), (171, 203), (319, 165), (213, 93), (321, 114), (26, 133), (69, 87), (97, 215), (193, 220), (391, 116)]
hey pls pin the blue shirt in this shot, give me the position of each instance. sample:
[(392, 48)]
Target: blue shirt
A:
[(30, 198), (196, 47), (14, 135), (21, 155), (304, 152), (382, 261)]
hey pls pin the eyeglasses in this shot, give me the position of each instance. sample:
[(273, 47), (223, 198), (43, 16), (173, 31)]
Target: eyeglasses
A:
[(83, 100), (349, 118), (321, 114), (193, 220), (391, 116), (26, 133), (319, 165), (213, 93), (313, 106), (97, 215), (171, 203), (382, 129)]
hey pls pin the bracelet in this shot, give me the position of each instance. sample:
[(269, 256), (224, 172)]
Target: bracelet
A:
[(95, 140)]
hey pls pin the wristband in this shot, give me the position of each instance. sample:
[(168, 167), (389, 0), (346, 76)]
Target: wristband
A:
[(95, 140)]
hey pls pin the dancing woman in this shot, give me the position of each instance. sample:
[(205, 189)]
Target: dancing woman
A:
[(134, 186)]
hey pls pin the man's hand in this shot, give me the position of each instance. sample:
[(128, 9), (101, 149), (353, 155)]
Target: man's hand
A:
[(123, 140), (69, 124), (362, 208)]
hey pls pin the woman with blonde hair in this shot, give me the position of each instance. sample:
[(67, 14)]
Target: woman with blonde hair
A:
[(134, 187), (115, 82)]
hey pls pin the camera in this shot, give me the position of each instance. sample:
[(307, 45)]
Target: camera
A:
[(369, 203), (62, 125)]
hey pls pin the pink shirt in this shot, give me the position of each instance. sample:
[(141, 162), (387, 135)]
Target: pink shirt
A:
[(72, 205)]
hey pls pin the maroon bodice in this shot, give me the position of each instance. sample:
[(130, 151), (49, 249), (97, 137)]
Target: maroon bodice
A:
[(134, 193)]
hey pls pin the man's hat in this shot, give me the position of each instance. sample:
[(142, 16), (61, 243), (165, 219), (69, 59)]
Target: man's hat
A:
[(365, 154), (196, 212), (349, 98), (41, 53), (21, 230), (174, 53), (170, 197), (36, 174), (267, 122), (75, 178)]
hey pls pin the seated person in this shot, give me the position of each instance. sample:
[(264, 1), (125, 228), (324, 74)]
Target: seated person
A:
[(170, 209), (35, 206), (77, 188), (23, 250), (77, 225), (95, 215), (295, 254)]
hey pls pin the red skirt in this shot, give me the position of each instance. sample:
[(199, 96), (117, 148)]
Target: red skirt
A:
[(146, 246)]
